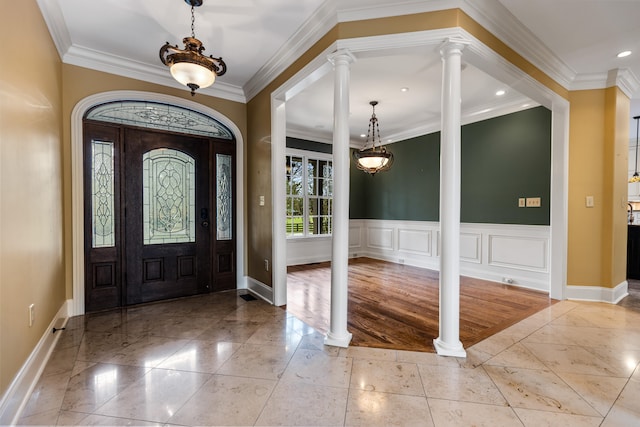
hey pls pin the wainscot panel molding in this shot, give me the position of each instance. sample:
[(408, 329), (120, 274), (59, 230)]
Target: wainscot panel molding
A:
[(307, 250), (506, 253)]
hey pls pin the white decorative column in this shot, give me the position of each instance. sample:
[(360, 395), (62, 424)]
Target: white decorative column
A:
[(448, 343), (338, 334)]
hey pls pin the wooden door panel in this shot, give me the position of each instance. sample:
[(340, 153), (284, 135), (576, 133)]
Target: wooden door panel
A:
[(164, 270)]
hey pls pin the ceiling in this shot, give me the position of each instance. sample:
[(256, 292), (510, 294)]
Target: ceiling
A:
[(574, 41)]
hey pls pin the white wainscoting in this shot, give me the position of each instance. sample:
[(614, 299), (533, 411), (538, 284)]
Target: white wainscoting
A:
[(516, 254)]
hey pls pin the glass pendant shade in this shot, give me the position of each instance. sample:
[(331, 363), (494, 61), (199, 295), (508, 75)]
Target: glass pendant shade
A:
[(190, 74)]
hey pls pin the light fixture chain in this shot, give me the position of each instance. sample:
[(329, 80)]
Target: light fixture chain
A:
[(193, 20), (637, 129)]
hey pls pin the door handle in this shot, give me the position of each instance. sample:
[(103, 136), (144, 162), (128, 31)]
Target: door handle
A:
[(204, 213), (205, 224)]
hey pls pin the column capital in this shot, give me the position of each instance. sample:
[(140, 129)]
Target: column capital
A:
[(453, 46), (342, 55)]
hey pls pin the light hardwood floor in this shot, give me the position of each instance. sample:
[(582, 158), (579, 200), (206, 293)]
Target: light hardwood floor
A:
[(395, 306)]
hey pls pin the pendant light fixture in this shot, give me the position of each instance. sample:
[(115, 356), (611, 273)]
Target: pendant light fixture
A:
[(189, 66), (373, 160), (636, 175)]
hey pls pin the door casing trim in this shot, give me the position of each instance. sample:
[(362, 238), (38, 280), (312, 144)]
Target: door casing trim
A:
[(77, 186)]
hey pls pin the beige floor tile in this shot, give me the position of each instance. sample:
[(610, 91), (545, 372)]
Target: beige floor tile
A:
[(580, 360), (276, 333), (619, 339), (101, 420), (165, 326), (626, 409), (316, 367), (368, 353), (532, 418), (67, 418), (47, 394), (469, 385), (448, 413), (44, 418), (371, 408), (94, 386), (600, 392), (386, 376), (201, 356), (517, 356), (257, 361), (299, 404), (496, 343), (61, 360), (149, 352), (156, 397), (539, 390), (430, 359), (226, 400), (315, 341), (99, 346), (238, 331)]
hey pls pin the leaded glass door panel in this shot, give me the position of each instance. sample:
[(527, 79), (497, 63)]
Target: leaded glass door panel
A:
[(167, 240)]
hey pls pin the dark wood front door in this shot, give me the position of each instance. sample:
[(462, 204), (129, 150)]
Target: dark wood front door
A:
[(166, 196), (159, 215)]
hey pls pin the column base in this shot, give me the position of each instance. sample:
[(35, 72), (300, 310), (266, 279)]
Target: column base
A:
[(444, 349), (338, 341)]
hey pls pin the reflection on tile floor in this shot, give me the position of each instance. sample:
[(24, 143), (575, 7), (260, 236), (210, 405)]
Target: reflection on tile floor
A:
[(221, 360)]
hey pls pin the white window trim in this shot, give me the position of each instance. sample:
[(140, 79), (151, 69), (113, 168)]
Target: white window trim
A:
[(305, 155)]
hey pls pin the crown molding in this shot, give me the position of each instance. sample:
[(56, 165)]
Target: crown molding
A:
[(50, 11), (388, 8), (625, 80), (495, 18), (126, 67), (318, 24)]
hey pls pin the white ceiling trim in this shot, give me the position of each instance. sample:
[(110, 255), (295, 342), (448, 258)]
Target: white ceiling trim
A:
[(494, 17), (88, 58), (320, 22), (395, 9), (55, 22)]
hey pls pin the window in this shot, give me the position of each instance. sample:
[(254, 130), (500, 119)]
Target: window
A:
[(309, 183)]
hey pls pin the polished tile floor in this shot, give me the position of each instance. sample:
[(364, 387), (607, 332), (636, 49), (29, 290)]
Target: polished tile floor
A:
[(221, 360)]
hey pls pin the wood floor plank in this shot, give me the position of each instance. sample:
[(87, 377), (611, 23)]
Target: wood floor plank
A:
[(396, 306)]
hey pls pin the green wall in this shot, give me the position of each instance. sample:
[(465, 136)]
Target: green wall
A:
[(502, 159)]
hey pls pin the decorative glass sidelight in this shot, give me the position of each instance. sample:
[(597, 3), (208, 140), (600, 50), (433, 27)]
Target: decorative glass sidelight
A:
[(224, 202), (102, 194), (168, 196)]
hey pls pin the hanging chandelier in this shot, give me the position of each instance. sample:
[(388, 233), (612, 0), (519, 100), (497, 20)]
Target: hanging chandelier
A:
[(373, 159), (636, 175), (189, 66)]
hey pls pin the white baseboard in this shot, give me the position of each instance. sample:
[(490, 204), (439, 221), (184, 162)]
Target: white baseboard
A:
[(15, 398), (260, 289), (598, 293)]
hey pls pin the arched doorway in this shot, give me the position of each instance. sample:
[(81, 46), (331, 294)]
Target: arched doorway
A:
[(186, 263)]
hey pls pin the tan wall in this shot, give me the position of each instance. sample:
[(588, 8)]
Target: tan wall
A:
[(598, 140), (31, 244), (79, 83)]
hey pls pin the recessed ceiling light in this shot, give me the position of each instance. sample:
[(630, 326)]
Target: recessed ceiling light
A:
[(362, 135), (404, 89), (500, 92), (624, 53)]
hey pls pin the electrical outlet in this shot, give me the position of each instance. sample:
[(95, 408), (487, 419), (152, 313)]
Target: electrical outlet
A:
[(589, 201), (522, 202), (32, 314), (533, 202)]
